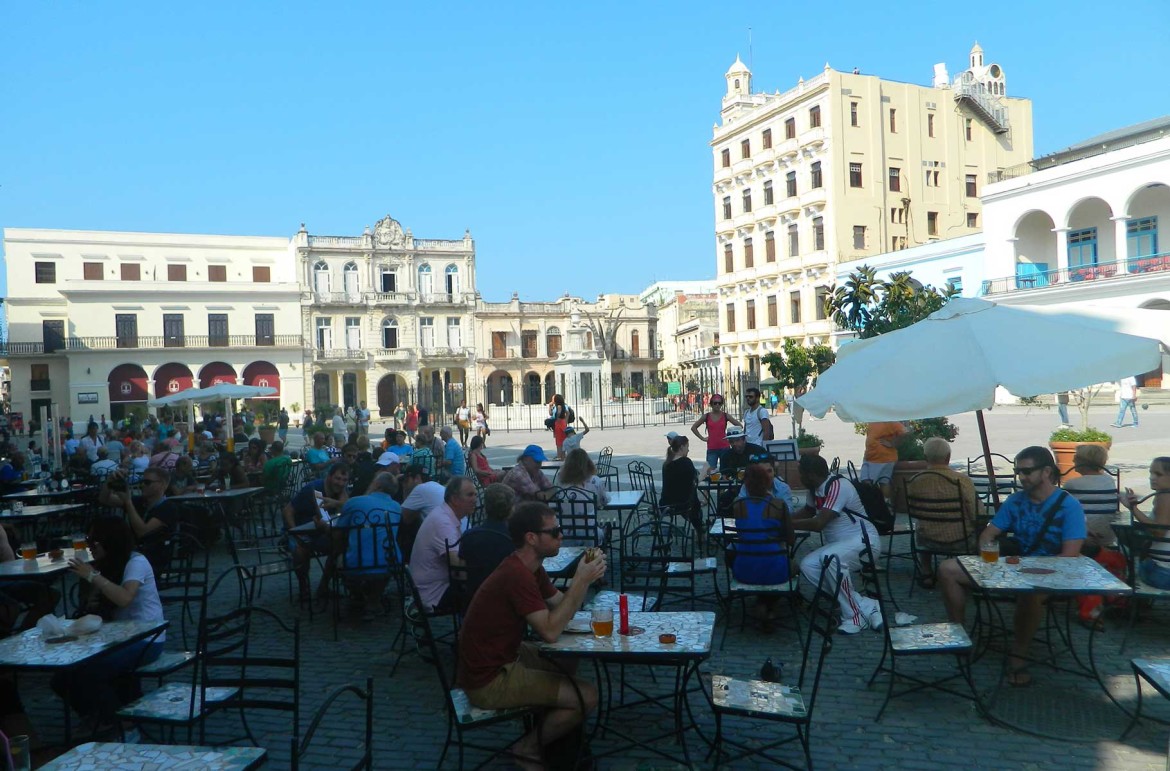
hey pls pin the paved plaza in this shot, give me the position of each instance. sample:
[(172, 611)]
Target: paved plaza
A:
[(925, 731)]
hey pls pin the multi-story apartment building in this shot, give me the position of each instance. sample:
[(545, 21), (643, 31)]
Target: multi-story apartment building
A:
[(388, 316), (669, 299), (100, 322), (843, 166), (518, 343)]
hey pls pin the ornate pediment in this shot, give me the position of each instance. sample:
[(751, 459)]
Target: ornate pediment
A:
[(388, 234)]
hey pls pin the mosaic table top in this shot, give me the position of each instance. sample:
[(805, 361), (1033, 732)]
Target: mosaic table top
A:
[(1070, 575), (929, 637), (624, 499), (41, 566), (28, 650), (564, 558), (1157, 671), (693, 633), (235, 492), (41, 510), (757, 697), (102, 756), (25, 495)]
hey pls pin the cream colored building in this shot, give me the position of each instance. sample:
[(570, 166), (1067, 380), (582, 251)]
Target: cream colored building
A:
[(389, 317), (838, 168), (670, 299), (517, 344), (100, 322)]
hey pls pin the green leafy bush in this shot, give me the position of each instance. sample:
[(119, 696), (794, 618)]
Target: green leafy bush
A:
[(1079, 435)]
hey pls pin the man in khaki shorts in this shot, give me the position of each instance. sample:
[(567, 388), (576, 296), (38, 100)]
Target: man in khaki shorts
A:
[(497, 669)]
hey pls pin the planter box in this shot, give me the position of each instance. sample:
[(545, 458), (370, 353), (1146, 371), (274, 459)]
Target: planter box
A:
[(1064, 451)]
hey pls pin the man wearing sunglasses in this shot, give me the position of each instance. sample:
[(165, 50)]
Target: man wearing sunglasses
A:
[(497, 669), (1046, 521), (756, 421)]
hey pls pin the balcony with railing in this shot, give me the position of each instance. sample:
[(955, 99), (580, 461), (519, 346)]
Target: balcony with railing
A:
[(40, 384), (446, 352), (152, 342), (1117, 270), (446, 298), (339, 354)]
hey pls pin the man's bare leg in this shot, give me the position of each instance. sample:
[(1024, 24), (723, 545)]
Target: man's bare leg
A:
[(557, 722), (954, 584), (1029, 611)]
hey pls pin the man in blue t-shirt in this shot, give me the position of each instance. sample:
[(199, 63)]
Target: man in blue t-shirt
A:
[(361, 543), (454, 464), (1047, 522)]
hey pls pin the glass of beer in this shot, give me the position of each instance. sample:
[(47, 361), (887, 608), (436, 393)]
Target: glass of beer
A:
[(28, 550), (602, 622), (78, 541), (989, 551)]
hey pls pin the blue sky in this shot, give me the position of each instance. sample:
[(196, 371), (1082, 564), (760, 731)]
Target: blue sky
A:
[(572, 140)]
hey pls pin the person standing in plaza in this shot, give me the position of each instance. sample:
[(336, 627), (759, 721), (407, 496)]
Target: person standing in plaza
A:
[(307, 424), (881, 452), (560, 415), (1127, 394), (480, 422), (757, 423), (463, 422), (363, 419), (282, 425), (1062, 408), (410, 422), (340, 431), (399, 416), (716, 423)]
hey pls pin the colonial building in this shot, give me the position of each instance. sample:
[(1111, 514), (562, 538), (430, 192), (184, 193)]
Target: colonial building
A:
[(841, 167), (388, 317), (670, 298), (100, 322)]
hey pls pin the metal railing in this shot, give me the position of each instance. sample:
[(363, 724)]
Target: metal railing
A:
[(150, 342), (1102, 271), (446, 352), (338, 353)]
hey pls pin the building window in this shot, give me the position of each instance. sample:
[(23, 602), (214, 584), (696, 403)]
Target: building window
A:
[(92, 271), (854, 175), (174, 335), (747, 200), (769, 246), (967, 127), (745, 148), (794, 306), (751, 314), (217, 329), (324, 334), (790, 184), (930, 124), (725, 156), (176, 273), (816, 180), (528, 344), (898, 215), (814, 116), (353, 333), (390, 334), (38, 376), (125, 330), (53, 335), (859, 236), (853, 121), (932, 223), (772, 314), (897, 243), (972, 220), (454, 333), (217, 272), (1082, 247), (730, 317), (726, 207), (895, 179), (790, 128), (955, 284), (1141, 237), (45, 272), (552, 342), (728, 259), (768, 199), (767, 139), (822, 301), (748, 253), (389, 281), (261, 274), (793, 241), (131, 271), (265, 329), (818, 234), (893, 121), (972, 191), (931, 178), (426, 332)]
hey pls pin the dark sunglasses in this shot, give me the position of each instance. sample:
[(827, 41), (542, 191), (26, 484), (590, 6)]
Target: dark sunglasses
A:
[(1023, 472), (717, 404), (552, 532)]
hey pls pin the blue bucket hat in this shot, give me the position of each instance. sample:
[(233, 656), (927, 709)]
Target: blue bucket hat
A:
[(535, 452)]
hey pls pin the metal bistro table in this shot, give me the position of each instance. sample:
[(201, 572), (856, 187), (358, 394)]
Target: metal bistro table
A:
[(1058, 576), (224, 504), (693, 631), (621, 504), (157, 757), (51, 496), (28, 651)]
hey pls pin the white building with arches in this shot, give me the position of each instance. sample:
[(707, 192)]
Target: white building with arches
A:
[(388, 318)]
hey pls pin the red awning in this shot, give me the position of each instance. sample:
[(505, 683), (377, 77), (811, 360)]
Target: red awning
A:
[(263, 374), (172, 378), (128, 384), (215, 373)]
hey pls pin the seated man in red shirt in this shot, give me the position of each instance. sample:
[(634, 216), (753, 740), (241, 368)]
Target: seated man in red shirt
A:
[(497, 669)]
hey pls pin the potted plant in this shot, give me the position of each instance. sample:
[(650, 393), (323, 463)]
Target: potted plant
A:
[(1064, 443), (809, 444), (294, 414)]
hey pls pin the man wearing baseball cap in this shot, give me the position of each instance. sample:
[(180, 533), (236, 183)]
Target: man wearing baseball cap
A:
[(742, 453), (526, 477)]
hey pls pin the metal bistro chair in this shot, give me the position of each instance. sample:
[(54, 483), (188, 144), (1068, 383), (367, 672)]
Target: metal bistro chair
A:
[(915, 640), (642, 478), (1157, 673), (607, 470), (791, 705), (182, 585), (1005, 479), (370, 556), (943, 508), (1140, 544), (658, 562), (366, 761)]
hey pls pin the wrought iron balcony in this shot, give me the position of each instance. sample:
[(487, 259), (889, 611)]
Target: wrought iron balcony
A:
[(1102, 271), (335, 354), (151, 342)]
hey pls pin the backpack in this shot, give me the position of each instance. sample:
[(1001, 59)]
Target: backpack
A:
[(570, 416), (877, 510)]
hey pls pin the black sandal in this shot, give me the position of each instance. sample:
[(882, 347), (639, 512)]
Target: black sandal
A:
[(927, 582)]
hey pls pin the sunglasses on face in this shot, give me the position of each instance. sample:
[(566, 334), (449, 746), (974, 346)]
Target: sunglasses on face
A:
[(552, 532), (1023, 472), (716, 404)]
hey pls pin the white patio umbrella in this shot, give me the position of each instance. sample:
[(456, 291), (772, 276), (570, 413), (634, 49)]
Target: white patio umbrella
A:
[(224, 391), (952, 361)]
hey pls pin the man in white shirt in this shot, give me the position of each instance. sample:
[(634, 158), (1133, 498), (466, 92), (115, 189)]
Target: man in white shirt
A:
[(103, 466), (756, 422), (91, 442), (572, 438), (1127, 394)]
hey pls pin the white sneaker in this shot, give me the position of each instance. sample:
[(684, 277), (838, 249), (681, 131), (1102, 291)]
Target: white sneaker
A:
[(875, 620), (848, 627)]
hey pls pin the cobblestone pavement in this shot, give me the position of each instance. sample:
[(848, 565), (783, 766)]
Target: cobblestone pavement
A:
[(924, 731)]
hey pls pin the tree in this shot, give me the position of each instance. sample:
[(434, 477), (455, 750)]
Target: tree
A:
[(796, 366), (604, 324)]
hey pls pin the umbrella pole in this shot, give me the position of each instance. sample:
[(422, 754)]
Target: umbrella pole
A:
[(987, 458), (231, 434), (191, 428)]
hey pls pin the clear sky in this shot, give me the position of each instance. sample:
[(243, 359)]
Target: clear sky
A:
[(570, 139)]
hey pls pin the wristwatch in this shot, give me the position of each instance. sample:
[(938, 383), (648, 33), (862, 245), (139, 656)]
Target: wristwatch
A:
[(93, 574)]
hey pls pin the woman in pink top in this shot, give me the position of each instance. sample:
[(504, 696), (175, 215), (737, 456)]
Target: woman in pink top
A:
[(716, 422)]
